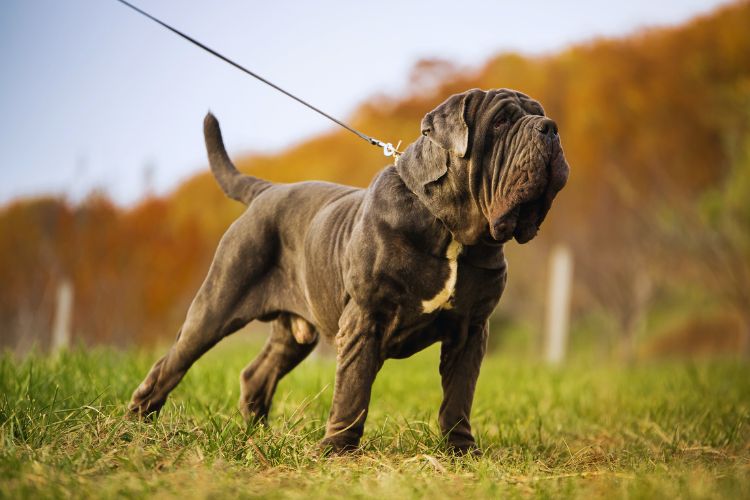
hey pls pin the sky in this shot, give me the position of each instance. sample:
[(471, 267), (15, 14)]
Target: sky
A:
[(96, 97)]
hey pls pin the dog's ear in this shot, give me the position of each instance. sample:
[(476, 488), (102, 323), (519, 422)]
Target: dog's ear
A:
[(446, 125)]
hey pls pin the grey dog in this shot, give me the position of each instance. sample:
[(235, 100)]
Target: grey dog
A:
[(415, 258)]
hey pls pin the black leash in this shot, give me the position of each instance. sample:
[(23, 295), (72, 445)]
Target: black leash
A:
[(388, 149)]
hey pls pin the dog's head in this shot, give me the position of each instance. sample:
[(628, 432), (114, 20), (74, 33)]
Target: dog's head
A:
[(488, 164)]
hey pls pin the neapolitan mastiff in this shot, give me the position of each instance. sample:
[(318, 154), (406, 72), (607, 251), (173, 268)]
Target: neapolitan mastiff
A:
[(415, 258)]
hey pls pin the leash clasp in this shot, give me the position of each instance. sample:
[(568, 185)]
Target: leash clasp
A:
[(389, 150)]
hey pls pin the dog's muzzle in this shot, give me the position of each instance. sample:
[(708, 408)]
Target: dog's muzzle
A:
[(520, 213)]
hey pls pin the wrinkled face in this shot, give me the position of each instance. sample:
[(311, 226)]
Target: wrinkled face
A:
[(522, 164), (489, 165)]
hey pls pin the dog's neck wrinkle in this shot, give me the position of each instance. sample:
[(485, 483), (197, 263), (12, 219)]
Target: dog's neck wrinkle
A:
[(459, 212), (480, 256), (415, 188), (484, 180), (406, 161)]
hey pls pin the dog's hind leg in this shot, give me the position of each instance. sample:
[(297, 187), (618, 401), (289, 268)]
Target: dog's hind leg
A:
[(291, 340), (230, 297)]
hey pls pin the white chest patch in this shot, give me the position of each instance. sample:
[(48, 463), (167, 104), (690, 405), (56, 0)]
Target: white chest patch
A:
[(443, 297)]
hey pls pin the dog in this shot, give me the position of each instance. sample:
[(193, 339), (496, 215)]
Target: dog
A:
[(413, 259)]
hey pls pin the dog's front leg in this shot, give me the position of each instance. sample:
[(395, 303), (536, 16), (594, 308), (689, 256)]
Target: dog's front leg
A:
[(460, 359), (358, 360)]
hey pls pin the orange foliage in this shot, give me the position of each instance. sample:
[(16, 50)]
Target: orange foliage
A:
[(659, 104)]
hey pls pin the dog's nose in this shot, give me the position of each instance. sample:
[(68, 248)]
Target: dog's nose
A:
[(547, 127)]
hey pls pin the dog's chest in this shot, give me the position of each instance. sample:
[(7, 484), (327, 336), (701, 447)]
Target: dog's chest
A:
[(443, 299)]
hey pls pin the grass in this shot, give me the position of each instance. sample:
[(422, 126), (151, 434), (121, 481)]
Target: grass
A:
[(671, 429)]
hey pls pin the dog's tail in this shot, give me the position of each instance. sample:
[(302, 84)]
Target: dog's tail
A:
[(240, 187)]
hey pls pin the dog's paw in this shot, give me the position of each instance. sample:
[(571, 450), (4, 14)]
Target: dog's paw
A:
[(334, 447), (465, 450), (143, 408), (141, 413)]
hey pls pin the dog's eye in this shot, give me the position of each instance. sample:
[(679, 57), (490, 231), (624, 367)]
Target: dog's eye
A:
[(500, 123)]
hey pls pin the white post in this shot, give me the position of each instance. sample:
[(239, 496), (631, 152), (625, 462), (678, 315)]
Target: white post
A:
[(63, 316), (558, 303)]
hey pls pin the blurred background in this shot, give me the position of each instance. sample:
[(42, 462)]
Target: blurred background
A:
[(109, 217)]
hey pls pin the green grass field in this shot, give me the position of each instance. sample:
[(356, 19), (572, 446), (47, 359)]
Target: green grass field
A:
[(656, 430)]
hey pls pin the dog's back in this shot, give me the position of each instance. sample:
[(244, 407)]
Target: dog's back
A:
[(307, 224)]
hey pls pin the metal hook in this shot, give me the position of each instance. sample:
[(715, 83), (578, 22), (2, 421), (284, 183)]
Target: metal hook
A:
[(389, 150)]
